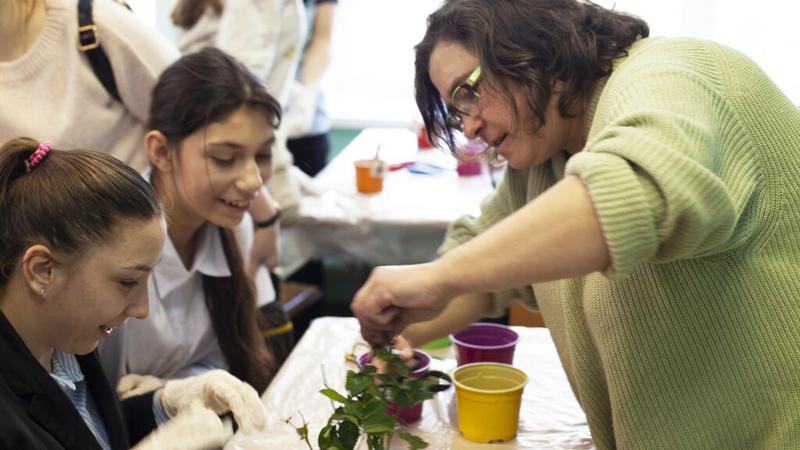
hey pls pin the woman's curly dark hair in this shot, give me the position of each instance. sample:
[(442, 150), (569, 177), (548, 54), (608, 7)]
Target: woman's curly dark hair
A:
[(532, 43)]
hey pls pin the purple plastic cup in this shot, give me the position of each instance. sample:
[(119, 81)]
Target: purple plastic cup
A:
[(485, 342), (410, 414)]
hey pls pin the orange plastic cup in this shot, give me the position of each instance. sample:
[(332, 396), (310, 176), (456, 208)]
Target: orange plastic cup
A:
[(369, 175)]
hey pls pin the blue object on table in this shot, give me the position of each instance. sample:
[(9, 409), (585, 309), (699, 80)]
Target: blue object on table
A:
[(423, 168)]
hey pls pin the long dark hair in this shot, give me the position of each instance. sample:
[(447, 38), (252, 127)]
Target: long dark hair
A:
[(529, 42), (187, 12), (199, 89), (73, 200)]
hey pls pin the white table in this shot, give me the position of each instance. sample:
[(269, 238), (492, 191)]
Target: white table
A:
[(550, 417), (403, 224)]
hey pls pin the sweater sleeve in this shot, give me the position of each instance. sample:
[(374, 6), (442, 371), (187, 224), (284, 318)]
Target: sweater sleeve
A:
[(138, 54), (666, 181), (494, 208)]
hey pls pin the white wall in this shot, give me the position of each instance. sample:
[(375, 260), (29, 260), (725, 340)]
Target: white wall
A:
[(371, 78)]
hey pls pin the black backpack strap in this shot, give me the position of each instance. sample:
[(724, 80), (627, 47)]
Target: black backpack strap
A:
[(89, 43)]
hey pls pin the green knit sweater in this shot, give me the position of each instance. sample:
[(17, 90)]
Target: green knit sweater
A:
[(691, 340)]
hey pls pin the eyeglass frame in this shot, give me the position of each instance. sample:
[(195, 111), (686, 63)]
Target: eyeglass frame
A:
[(453, 119)]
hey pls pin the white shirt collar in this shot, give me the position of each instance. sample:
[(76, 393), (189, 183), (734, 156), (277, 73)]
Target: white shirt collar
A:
[(209, 259)]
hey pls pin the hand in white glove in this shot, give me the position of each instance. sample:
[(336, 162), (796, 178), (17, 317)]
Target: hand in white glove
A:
[(300, 111), (218, 391), (133, 384), (197, 428)]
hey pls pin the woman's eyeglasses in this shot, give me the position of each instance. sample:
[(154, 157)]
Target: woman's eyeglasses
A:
[(464, 100)]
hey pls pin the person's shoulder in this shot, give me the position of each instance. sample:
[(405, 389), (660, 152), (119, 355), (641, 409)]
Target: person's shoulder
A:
[(120, 27), (667, 50), (665, 57), (70, 6), (17, 430)]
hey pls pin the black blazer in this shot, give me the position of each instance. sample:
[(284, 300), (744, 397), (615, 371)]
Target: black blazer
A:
[(37, 414)]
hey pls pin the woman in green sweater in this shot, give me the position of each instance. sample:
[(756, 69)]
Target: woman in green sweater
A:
[(650, 211)]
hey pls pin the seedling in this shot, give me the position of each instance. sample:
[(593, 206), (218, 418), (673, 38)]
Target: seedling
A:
[(361, 413)]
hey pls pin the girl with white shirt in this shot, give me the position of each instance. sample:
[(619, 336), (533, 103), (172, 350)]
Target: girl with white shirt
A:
[(210, 147), (268, 37), (43, 70)]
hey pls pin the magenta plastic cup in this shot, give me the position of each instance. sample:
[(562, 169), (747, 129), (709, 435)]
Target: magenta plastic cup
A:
[(469, 168), (410, 414), (485, 342)]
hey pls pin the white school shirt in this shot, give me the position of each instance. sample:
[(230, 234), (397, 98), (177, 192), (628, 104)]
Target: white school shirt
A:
[(177, 338)]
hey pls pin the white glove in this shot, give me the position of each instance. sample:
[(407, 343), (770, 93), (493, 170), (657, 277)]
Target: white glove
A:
[(133, 384), (197, 428), (218, 391), (300, 111)]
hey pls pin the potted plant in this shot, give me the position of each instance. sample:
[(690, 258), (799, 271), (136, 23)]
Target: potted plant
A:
[(369, 408)]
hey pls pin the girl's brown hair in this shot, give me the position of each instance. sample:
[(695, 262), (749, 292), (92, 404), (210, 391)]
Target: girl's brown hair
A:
[(199, 89), (71, 201), (531, 43), (187, 12)]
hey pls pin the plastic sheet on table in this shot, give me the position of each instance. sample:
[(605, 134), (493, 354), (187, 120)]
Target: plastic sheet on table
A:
[(550, 417)]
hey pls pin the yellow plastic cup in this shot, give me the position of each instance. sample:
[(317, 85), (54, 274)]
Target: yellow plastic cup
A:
[(488, 399)]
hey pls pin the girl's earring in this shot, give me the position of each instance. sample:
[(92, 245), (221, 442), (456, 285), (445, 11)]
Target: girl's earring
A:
[(43, 291)]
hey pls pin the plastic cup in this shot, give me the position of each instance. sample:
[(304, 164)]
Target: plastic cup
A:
[(485, 342), (488, 397), (413, 413), (369, 175), (469, 168)]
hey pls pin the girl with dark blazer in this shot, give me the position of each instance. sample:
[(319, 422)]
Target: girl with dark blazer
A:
[(79, 234)]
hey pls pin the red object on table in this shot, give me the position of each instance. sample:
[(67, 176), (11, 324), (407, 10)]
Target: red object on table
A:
[(422, 139), (398, 166)]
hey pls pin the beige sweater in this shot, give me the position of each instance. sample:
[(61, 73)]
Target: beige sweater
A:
[(51, 93), (692, 338)]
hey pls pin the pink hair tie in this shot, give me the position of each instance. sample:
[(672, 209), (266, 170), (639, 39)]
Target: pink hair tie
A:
[(38, 155)]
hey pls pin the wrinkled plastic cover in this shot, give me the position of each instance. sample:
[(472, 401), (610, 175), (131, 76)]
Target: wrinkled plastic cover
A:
[(550, 417), (403, 224)]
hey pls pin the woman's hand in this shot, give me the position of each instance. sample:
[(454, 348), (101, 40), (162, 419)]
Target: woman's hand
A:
[(402, 348), (265, 239), (133, 384), (395, 296), (265, 249), (218, 391), (197, 428)]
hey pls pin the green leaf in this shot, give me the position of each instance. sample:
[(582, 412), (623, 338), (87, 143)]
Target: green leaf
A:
[(358, 383), (327, 440), (348, 434), (414, 442), (378, 423), (346, 417), (374, 406), (376, 442), (333, 395)]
